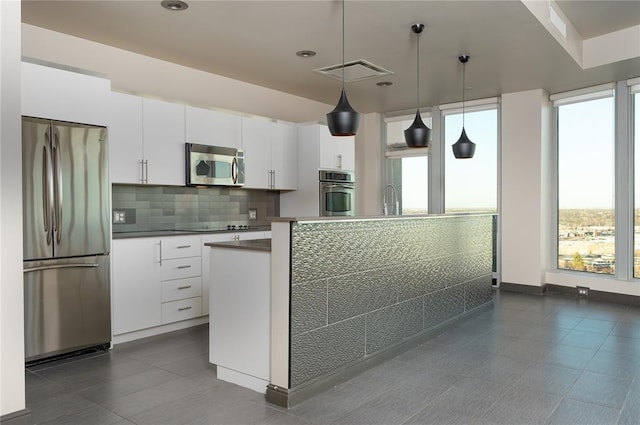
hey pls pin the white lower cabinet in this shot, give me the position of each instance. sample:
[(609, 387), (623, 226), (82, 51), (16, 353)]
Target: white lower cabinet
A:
[(155, 281)]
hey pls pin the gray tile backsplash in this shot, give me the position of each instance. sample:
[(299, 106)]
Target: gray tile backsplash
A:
[(176, 207)]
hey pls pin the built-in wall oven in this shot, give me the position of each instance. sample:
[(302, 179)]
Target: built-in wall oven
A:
[(337, 193)]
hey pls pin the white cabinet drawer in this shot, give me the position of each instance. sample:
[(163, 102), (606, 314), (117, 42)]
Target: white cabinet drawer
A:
[(179, 289), (180, 247), (175, 311), (180, 268)]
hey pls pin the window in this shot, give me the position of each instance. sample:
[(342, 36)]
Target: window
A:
[(586, 217), (471, 185), (635, 105), (407, 191)]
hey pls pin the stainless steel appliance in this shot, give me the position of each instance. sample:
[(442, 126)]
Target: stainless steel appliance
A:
[(213, 165), (337, 193), (66, 237)]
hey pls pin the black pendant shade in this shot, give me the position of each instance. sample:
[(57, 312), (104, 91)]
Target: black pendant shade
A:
[(464, 148), (417, 135), (343, 120)]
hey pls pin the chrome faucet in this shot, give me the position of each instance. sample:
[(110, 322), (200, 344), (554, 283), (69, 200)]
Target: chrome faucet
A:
[(385, 207)]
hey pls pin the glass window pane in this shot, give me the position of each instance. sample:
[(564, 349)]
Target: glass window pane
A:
[(586, 232), (410, 179), (636, 144), (471, 184)]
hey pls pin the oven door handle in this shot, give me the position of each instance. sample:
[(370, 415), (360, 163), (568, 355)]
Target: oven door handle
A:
[(338, 186)]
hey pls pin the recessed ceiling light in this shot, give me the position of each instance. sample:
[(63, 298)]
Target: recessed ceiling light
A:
[(384, 83), (174, 4), (305, 53)]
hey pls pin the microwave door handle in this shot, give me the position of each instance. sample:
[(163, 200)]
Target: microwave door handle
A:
[(234, 170)]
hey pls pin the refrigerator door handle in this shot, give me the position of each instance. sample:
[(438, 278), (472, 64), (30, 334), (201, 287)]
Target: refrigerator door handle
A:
[(47, 189), (57, 174), (59, 266)]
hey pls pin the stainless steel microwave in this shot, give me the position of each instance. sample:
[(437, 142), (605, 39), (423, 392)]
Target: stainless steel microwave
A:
[(213, 165)]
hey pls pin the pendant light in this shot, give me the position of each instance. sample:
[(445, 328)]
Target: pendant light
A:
[(343, 120), (418, 134), (463, 148)]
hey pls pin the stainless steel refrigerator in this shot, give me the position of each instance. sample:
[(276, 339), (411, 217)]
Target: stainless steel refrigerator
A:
[(66, 238)]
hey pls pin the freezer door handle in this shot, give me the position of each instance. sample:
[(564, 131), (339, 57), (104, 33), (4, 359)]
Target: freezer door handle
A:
[(59, 266), (47, 189), (57, 193)]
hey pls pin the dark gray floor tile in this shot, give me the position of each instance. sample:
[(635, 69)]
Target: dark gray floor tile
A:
[(572, 357), (574, 412), (434, 416), (520, 404), (94, 415), (493, 342), (173, 355), (383, 410), (613, 364), (501, 368), (621, 345), (328, 406), (425, 354), (549, 378), (584, 339), (528, 349), (54, 407), (471, 397), (387, 374), (627, 329), (189, 365), (546, 333), (594, 325), (462, 362), (563, 320), (600, 389), (630, 414), (423, 385), (43, 390), (104, 391)]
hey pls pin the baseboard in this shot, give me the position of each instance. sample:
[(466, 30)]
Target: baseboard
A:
[(20, 417), (603, 296), (525, 289), (287, 398)]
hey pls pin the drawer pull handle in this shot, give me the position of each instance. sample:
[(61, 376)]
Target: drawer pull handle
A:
[(184, 287), (184, 246), (184, 308), (184, 267)]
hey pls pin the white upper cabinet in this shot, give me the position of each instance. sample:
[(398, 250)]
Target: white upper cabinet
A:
[(336, 152), (213, 128), (284, 156), (125, 138), (270, 154), (256, 143), (146, 141), (64, 95), (163, 142)]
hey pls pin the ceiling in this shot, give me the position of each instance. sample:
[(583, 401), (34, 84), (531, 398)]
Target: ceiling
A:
[(256, 41)]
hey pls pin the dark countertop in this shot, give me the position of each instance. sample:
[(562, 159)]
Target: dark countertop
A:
[(252, 245), (174, 232)]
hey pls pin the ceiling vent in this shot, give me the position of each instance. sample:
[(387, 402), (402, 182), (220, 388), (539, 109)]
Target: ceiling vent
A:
[(353, 71)]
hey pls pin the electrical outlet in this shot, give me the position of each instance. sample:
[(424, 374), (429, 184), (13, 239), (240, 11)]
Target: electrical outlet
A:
[(253, 213), (583, 291), (119, 217)]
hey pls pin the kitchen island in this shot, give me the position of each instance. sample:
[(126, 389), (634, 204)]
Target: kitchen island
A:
[(348, 294)]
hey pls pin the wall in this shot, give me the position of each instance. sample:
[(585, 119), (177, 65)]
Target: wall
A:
[(173, 207), (368, 149), (525, 163), (361, 287), (12, 398), (144, 75)]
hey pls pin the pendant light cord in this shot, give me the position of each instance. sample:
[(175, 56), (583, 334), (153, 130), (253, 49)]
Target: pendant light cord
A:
[(343, 44), (418, 74), (464, 66)]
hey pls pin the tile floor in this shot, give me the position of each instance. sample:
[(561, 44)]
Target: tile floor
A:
[(530, 360)]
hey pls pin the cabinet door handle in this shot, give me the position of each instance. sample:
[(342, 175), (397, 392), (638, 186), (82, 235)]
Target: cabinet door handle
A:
[(160, 252), (146, 171), (184, 287), (184, 246), (184, 267), (184, 308), (141, 162)]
